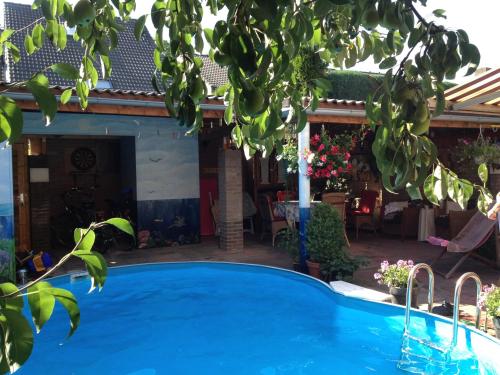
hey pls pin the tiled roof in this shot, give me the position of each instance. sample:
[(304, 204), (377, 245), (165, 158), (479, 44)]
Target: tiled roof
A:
[(132, 61)]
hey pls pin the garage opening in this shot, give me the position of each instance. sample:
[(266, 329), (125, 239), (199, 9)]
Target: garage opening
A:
[(67, 182)]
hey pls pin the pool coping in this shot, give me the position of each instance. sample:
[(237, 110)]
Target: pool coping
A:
[(285, 270)]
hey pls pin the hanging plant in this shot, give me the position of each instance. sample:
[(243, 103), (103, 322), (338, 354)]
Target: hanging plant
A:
[(328, 159)]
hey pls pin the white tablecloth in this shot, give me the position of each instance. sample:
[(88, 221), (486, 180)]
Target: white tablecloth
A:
[(426, 226), (289, 209)]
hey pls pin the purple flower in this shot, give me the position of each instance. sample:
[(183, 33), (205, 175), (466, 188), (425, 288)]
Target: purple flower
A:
[(377, 276), (410, 262), (384, 266), (401, 263)]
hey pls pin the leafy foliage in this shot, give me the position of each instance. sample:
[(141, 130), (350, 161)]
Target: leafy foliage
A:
[(326, 242), (16, 335)]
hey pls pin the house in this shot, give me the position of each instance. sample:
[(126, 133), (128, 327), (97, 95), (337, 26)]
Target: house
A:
[(126, 144), (123, 144)]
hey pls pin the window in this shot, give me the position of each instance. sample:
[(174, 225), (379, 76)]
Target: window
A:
[(103, 84)]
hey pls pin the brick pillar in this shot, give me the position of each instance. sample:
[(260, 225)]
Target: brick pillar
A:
[(230, 200)]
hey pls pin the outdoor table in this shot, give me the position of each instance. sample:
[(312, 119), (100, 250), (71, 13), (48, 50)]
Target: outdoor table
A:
[(426, 226), (289, 210)]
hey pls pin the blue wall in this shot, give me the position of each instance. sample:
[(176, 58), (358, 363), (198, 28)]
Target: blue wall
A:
[(166, 167), (7, 257)]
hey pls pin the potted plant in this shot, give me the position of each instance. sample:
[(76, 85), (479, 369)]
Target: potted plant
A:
[(469, 154), (395, 276), (490, 301), (326, 245)]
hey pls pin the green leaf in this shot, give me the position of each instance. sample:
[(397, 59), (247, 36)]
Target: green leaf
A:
[(37, 35), (139, 27), (66, 96), (68, 300), (87, 237), (66, 71), (440, 13), (440, 102), (96, 267), (17, 339), (10, 303), (6, 35), (482, 171), (414, 192), (39, 87), (121, 224), (388, 63), (29, 46), (429, 185), (41, 303), (12, 118)]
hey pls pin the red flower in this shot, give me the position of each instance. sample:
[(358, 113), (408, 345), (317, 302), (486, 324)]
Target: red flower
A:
[(309, 170), (323, 158), (329, 167), (321, 147), (349, 166), (347, 156), (335, 150), (341, 169), (334, 173), (328, 174)]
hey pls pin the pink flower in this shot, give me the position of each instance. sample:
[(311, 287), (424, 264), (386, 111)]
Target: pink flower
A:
[(329, 167), (321, 147), (410, 262), (349, 166), (335, 173), (401, 263), (335, 150), (384, 266), (323, 158), (340, 169), (377, 276), (347, 156), (309, 171)]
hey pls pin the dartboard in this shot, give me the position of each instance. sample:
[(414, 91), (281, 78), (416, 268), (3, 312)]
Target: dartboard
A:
[(83, 158)]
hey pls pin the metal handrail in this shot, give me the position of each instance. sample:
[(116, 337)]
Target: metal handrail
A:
[(409, 288), (456, 301)]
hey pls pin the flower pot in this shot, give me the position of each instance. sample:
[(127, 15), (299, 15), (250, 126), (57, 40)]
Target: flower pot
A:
[(314, 269), (333, 198), (398, 296), (496, 324)]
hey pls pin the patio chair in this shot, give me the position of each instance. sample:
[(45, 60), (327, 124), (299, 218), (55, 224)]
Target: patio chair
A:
[(475, 233), (283, 195), (269, 220), (363, 215)]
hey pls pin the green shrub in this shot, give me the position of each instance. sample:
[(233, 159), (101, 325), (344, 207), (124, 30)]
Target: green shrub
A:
[(326, 243)]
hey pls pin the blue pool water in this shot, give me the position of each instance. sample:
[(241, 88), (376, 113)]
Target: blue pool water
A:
[(215, 318)]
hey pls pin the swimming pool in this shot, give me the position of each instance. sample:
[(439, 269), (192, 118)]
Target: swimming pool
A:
[(221, 318)]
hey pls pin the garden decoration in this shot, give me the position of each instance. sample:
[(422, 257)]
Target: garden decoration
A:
[(490, 301), (261, 43), (395, 276)]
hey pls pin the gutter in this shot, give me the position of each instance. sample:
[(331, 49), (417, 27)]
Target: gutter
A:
[(221, 107)]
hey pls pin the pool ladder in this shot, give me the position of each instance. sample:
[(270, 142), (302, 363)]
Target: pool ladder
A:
[(430, 297)]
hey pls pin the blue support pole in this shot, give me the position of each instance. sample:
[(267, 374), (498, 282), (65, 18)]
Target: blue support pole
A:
[(304, 195)]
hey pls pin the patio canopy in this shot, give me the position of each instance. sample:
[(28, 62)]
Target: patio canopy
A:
[(480, 94)]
